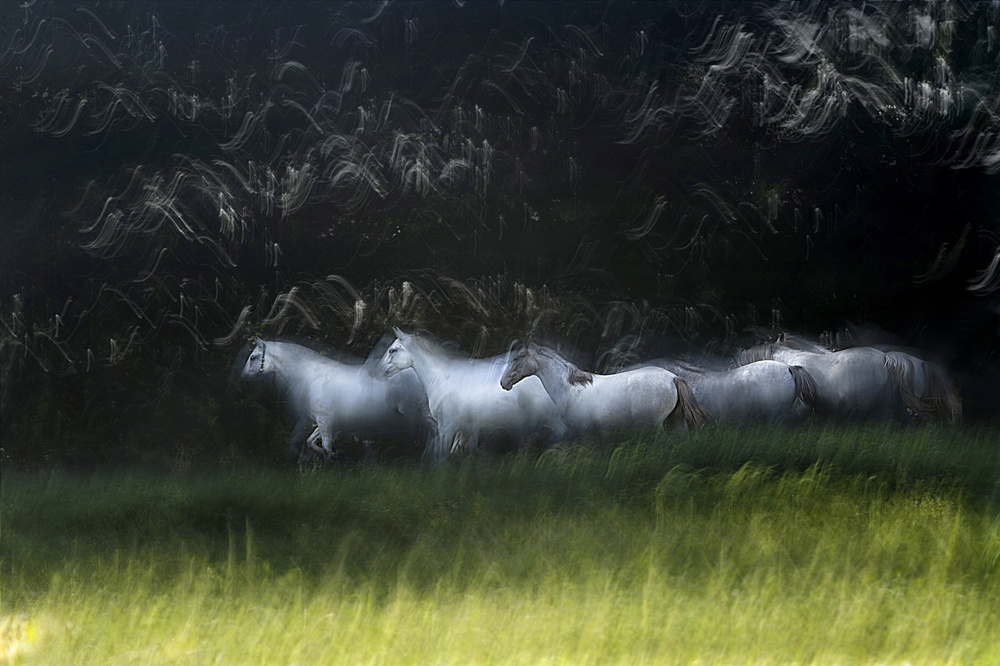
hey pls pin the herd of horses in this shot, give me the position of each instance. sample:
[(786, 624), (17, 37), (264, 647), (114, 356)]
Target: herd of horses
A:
[(449, 402)]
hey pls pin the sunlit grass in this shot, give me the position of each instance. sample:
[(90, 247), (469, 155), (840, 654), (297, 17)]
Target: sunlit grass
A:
[(726, 546)]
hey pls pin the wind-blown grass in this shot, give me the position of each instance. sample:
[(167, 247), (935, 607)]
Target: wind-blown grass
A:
[(780, 545)]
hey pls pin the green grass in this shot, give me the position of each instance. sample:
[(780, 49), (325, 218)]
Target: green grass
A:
[(782, 545)]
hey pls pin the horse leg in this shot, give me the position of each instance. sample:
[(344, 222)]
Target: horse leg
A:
[(328, 445), (457, 443), (471, 443), (310, 446), (320, 440), (296, 442), (441, 445), (431, 445)]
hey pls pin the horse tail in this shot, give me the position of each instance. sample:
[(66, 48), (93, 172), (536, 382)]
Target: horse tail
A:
[(942, 398), (901, 371), (805, 386), (688, 405)]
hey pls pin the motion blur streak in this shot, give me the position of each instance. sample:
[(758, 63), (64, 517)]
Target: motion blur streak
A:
[(175, 173)]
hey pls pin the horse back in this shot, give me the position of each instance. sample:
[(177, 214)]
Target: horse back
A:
[(645, 395)]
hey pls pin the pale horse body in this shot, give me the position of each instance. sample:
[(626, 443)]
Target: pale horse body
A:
[(760, 391), (936, 395), (858, 382), (466, 401), (594, 405), (341, 399)]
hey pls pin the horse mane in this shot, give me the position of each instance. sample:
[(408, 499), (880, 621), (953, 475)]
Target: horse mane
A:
[(764, 352), (432, 345), (799, 343), (290, 349), (575, 375), (312, 349), (578, 376)]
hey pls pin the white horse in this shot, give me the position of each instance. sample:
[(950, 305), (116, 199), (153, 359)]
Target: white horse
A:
[(858, 382), (466, 402), (760, 391), (598, 405), (935, 394), (341, 398)]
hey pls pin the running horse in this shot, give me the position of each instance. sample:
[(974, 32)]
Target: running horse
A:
[(342, 399), (467, 403), (765, 391), (853, 383), (646, 398)]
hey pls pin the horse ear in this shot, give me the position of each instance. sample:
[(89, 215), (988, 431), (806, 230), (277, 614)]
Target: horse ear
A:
[(398, 333)]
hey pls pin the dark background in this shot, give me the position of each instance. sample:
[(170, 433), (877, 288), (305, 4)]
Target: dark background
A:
[(177, 176)]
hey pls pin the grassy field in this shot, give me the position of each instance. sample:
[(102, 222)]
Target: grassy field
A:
[(766, 546)]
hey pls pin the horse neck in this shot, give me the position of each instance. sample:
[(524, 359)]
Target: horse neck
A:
[(553, 375), (282, 363), (430, 369)]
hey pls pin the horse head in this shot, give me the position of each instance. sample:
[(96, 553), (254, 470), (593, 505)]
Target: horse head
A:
[(396, 357), (255, 362), (523, 363)]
